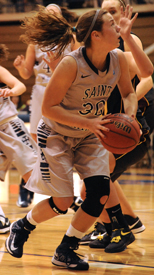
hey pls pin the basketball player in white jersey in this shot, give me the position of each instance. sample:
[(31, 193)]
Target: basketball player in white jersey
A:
[(16, 144), (41, 64), (125, 161), (71, 129)]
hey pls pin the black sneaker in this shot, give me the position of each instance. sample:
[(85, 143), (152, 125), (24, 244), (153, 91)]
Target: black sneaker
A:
[(119, 241), (23, 198), (64, 256), (99, 230), (101, 242), (76, 203), (135, 224), (4, 225), (18, 236)]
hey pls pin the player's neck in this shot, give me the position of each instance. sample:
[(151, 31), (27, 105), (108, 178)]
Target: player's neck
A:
[(97, 59)]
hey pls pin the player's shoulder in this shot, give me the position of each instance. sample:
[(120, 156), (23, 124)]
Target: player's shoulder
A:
[(67, 67), (68, 60), (119, 52), (121, 55)]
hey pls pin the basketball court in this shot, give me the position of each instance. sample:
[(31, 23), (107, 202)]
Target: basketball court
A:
[(137, 184)]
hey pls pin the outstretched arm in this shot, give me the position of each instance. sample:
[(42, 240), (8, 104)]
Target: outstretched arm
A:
[(125, 87), (140, 60)]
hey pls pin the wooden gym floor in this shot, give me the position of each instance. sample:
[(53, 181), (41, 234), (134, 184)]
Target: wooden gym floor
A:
[(137, 259)]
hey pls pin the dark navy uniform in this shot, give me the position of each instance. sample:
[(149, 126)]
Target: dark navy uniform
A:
[(144, 115)]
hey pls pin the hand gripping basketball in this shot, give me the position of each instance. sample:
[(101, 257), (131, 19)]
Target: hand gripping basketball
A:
[(124, 134)]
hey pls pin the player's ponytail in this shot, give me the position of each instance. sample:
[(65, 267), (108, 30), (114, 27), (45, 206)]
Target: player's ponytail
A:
[(47, 30), (50, 30)]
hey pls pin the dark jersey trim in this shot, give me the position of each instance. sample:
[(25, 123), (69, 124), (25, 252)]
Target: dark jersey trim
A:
[(91, 65)]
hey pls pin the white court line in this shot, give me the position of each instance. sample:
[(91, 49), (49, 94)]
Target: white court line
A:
[(143, 210), (108, 265)]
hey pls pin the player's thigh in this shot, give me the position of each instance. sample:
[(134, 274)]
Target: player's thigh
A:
[(91, 158)]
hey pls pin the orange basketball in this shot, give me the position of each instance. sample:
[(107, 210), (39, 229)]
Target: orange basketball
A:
[(124, 134)]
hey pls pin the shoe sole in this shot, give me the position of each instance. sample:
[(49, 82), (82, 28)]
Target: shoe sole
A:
[(97, 247), (5, 230), (57, 263), (138, 230), (20, 205), (121, 249), (64, 265), (84, 243)]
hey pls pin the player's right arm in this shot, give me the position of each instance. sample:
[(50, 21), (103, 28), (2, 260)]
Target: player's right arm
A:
[(25, 65)]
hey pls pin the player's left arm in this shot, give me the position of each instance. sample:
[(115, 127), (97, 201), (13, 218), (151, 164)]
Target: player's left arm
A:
[(15, 87), (145, 83), (140, 59), (125, 87)]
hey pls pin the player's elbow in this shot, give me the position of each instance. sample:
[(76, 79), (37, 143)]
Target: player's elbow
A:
[(149, 71), (146, 73)]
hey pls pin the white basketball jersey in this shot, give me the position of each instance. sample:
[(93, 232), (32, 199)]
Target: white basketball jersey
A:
[(88, 93), (41, 69), (7, 107)]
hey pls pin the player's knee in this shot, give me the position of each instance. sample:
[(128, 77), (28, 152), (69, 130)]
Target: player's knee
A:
[(61, 205), (104, 199), (97, 193)]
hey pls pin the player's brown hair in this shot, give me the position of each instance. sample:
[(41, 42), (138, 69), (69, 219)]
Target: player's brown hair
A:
[(122, 3), (50, 30), (70, 16), (84, 24)]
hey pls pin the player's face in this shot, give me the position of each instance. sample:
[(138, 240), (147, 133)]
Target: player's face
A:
[(114, 8), (110, 32)]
